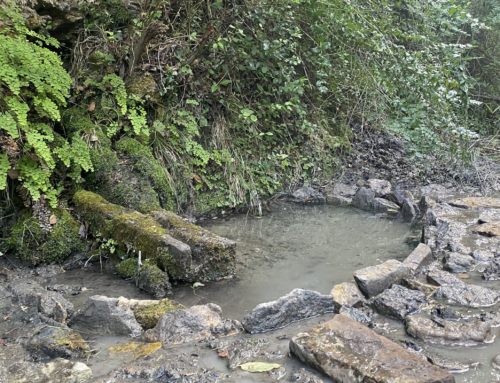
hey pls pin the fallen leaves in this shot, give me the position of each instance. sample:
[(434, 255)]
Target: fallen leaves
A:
[(259, 366)]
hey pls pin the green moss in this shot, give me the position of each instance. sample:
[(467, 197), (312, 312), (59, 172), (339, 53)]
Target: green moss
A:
[(149, 315), (73, 341), (144, 162), (34, 246), (127, 268), (143, 86)]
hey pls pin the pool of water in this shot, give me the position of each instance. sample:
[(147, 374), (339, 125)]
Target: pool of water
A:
[(311, 247)]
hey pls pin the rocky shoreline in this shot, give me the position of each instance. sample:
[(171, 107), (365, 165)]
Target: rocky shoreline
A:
[(445, 293)]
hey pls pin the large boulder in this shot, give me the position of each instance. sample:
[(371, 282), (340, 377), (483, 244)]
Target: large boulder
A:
[(191, 324), (398, 302), (347, 351), (464, 333), (297, 305), (106, 316), (372, 280)]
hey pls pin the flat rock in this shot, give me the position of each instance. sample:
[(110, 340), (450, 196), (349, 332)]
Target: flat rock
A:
[(467, 295), (443, 278), (57, 342), (398, 302), (37, 299), (458, 263), (347, 351), (463, 333), (372, 280), (490, 229), (421, 256), (191, 324), (347, 294), (297, 305), (103, 315), (476, 202)]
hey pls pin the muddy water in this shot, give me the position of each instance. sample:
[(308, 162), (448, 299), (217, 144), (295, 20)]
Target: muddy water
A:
[(311, 247)]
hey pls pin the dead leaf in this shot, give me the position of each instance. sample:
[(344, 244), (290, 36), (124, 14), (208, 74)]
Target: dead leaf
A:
[(259, 366), (91, 107)]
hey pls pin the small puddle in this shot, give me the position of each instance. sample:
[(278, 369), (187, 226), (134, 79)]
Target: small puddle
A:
[(309, 247)]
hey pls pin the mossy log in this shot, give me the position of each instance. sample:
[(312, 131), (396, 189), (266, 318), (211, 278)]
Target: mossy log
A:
[(134, 230), (185, 251), (213, 256)]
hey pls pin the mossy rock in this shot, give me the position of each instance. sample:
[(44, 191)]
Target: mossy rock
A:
[(34, 246), (148, 315), (144, 163)]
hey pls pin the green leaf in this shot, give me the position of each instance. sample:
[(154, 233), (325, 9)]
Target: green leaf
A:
[(259, 366)]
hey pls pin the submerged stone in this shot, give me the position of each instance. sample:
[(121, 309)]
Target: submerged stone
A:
[(372, 280), (398, 302), (463, 333), (297, 305), (347, 351), (191, 324)]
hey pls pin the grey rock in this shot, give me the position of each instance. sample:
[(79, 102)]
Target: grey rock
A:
[(466, 333), (362, 315), (304, 376), (364, 199), (421, 256), (103, 315), (297, 305), (458, 263), (468, 295), (483, 256), (443, 278), (348, 351), (57, 342), (347, 294), (340, 194), (307, 195), (492, 271), (339, 200), (381, 188), (409, 210), (382, 205), (495, 363), (38, 300), (372, 280), (192, 324), (398, 302)]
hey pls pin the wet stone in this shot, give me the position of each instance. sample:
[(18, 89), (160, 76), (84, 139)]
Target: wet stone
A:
[(467, 295), (382, 205), (418, 258), (104, 315), (398, 302), (347, 294), (307, 195), (458, 263), (372, 280), (460, 333), (57, 342), (299, 304), (364, 199), (192, 324), (347, 351)]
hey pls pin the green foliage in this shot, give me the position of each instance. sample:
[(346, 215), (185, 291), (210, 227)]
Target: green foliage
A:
[(33, 88), (35, 246)]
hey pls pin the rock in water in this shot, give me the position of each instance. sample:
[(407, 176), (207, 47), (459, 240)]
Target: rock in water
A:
[(103, 315), (350, 352), (466, 333), (192, 324), (297, 305), (398, 302), (364, 199), (372, 280), (382, 205), (307, 195)]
